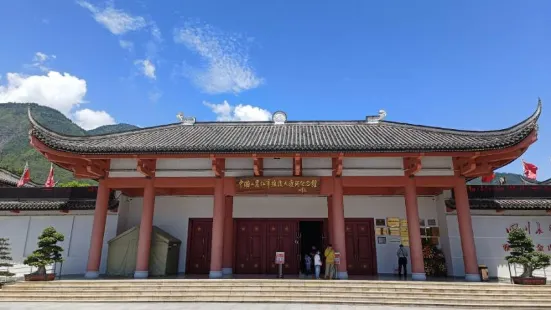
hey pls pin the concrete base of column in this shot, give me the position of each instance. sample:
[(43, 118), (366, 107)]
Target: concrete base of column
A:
[(215, 274), (419, 276), (141, 274), (227, 271), (472, 277), (342, 275), (91, 275)]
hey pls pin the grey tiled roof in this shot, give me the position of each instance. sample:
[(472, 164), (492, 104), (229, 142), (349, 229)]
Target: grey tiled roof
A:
[(50, 205), (11, 179), (307, 136), (506, 204), (534, 182)]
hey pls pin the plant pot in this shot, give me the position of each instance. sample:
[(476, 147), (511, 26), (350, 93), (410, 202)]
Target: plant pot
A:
[(530, 281), (40, 277)]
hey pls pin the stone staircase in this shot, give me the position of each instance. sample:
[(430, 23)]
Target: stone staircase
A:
[(391, 293)]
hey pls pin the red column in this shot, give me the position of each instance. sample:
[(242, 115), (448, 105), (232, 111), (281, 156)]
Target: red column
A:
[(339, 241), (466, 230), (330, 218), (415, 245), (218, 218), (227, 262), (98, 230), (146, 229)]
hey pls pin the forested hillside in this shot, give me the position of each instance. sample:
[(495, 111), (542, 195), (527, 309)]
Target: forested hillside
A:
[(15, 149)]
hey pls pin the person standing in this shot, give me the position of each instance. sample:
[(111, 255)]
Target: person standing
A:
[(329, 262), (308, 264), (402, 260), (317, 264)]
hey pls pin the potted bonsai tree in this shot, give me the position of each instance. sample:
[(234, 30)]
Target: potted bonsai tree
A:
[(523, 253), (48, 253), (5, 261)]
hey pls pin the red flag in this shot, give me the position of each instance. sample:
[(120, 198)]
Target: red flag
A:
[(25, 177), (50, 180), (488, 178), (530, 170)]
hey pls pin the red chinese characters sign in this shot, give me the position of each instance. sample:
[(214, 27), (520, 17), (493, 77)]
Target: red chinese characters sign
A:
[(278, 185)]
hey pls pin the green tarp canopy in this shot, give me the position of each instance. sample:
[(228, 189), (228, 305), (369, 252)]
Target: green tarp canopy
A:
[(163, 259)]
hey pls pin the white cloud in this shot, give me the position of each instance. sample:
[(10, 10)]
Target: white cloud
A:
[(63, 92), (227, 67), (56, 90), (40, 61), (127, 45), (146, 67), (115, 20), (156, 32), (241, 112), (40, 57), (89, 119), (155, 95)]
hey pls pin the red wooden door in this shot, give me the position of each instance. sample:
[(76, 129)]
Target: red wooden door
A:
[(199, 246), (281, 236), (360, 247), (250, 236)]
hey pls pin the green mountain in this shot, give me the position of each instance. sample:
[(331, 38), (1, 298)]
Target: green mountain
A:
[(15, 149), (111, 128), (510, 179)]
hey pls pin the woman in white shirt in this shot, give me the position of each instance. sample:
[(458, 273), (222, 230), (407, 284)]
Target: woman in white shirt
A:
[(317, 264)]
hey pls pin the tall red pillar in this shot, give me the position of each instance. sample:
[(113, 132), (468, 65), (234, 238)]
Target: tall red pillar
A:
[(330, 218), (98, 230), (227, 263), (415, 244), (466, 230), (146, 230), (339, 242), (218, 218)]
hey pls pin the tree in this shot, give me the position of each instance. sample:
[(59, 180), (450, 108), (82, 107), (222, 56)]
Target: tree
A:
[(74, 184), (523, 253), (5, 259), (48, 251)]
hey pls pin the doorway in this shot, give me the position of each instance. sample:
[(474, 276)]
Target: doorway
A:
[(311, 235)]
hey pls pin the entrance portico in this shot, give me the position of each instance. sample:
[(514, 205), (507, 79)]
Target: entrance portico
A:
[(407, 160)]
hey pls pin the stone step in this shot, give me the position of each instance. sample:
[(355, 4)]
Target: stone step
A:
[(321, 285), (259, 281), (326, 299), (199, 288), (379, 294), (295, 282)]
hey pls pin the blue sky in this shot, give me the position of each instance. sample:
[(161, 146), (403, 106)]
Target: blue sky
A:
[(462, 64)]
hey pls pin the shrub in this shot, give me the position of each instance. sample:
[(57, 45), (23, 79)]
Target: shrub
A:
[(48, 251), (523, 253)]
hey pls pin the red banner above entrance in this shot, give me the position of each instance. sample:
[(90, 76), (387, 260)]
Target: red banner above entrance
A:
[(278, 185)]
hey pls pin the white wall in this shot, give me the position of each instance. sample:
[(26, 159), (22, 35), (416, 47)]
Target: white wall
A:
[(383, 207), (490, 236), (280, 207), (24, 228), (172, 214), (443, 224)]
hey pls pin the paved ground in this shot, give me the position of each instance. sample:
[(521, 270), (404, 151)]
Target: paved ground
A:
[(192, 306)]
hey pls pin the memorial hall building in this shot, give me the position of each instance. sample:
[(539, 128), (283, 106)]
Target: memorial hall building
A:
[(232, 194)]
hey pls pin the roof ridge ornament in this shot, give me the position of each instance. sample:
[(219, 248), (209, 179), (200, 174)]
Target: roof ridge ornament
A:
[(279, 117), (374, 119), (189, 120)]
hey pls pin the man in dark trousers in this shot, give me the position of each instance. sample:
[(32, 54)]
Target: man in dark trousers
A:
[(402, 260)]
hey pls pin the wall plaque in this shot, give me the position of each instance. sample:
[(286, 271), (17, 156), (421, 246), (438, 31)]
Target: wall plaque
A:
[(278, 185), (393, 222)]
